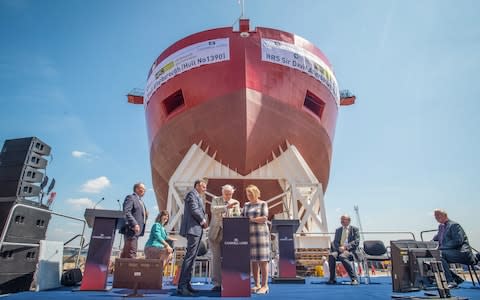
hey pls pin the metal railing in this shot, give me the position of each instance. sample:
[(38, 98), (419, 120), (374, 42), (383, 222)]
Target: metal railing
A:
[(426, 231), (80, 248), (9, 218), (362, 261), (361, 232), (73, 238)]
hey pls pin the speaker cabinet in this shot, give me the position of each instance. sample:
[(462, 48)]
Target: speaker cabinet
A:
[(27, 225), (18, 259), (21, 163), (22, 157), (31, 143), (20, 188), (15, 282), (17, 266), (71, 277), (23, 172)]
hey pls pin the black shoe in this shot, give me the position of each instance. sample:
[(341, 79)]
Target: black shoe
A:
[(331, 281), (184, 292), (459, 280), (216, 288), (191, 289), (354, 282)]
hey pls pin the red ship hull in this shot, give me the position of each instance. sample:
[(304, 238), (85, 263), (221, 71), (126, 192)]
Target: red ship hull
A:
[(244, 109)]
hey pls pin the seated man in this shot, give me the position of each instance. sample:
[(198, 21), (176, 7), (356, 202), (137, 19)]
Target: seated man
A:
[(453, 245), (343, 247)]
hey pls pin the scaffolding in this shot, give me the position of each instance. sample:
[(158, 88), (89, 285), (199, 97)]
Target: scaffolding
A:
[(302, 196)]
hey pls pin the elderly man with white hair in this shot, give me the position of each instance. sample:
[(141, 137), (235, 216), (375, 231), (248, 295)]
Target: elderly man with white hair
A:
[(453, 245), (345, 244), (224, 206)]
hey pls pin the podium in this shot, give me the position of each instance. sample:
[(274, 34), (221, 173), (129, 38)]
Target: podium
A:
[(104, 223), (236, 257), (286, 247)]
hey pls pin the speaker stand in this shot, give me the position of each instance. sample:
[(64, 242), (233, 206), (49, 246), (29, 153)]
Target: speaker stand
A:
[(135, 293)]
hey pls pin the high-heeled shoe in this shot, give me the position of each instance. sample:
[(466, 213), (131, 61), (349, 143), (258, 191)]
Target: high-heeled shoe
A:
[(255, 288), (263, 290)]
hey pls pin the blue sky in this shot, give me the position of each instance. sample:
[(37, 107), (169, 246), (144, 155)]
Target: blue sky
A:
[(410, 143)]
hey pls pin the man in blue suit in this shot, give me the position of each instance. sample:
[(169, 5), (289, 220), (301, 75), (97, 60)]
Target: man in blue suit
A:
[(135, 218), (193, 222), (344, 245), (453, 245)]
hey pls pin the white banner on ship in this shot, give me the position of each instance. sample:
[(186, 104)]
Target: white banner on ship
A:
[(196, 55), (292, 56)]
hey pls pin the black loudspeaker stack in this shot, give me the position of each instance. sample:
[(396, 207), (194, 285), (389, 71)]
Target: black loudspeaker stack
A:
[(22, 169)]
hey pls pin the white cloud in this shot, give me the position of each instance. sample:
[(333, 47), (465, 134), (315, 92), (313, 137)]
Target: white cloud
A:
[(61, 234), (81, 203), (79, 154), (61, 230), (84, 155), (96, 185), (72, 224)]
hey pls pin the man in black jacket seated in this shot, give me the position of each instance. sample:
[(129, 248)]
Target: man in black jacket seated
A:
[(344, 245), (453, 245)]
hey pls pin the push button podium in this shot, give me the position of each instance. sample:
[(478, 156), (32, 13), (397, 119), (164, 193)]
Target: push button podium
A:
[(104, 223), (287, 265), (236, 257)]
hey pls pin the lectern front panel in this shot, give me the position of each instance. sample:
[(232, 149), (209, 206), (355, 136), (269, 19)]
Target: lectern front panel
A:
[(287, 265), (98, 257), (236, 257)]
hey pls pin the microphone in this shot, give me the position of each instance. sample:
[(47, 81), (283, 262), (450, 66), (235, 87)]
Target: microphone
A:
[(103, 198), (119, 205)]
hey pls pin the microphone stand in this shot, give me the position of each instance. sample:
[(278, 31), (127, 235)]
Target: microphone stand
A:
[(121, 235), (103, 198), (119, 205)]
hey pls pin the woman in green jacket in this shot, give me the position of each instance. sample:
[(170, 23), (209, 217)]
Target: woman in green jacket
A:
[(157, 246)]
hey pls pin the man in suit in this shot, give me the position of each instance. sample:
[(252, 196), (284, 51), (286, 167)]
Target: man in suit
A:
[(193, 222), (224, 206), (344, 245), (453, 245), (135, 218)]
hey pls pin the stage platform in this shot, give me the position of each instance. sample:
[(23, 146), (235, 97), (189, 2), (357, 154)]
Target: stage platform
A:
[(315, 288)]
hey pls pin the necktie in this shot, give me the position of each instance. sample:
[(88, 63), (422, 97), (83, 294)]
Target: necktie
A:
[(343, 238), (227, 210), (144, 210), (441, 233)]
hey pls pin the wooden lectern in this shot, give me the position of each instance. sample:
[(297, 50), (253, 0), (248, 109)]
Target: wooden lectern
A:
[(104, 223)]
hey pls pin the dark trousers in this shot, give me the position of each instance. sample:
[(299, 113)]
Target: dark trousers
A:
[(452, 256), (130, 247), (345, 260), (193, 243)]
